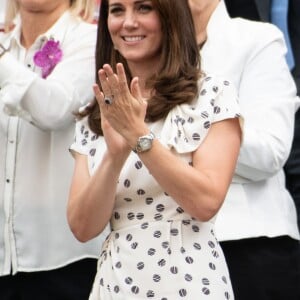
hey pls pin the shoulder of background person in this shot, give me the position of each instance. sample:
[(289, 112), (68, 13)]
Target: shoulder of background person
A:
[(254, 31), (75, 31), (80, 26)]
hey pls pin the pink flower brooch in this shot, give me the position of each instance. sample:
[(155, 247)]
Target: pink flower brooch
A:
[(48, 57)]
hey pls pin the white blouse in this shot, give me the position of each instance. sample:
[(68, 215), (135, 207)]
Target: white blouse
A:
[(36, 129)]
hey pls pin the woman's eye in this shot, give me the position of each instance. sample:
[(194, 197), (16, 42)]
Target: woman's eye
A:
[(145, 8), (115, 10)]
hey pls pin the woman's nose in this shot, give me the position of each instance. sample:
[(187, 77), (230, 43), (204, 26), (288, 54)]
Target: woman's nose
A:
[(130, 20)]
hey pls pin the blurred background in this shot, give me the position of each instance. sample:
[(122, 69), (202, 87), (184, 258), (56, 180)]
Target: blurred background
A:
[(2, 9), (3, 3)]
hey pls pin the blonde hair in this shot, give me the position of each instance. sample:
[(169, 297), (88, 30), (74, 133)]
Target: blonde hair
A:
[(85, 9)]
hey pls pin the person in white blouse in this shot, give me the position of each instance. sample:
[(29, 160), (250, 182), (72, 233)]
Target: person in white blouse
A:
[(257, 223), (46, 74)]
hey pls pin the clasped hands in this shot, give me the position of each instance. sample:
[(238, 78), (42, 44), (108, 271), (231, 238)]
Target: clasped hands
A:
[(122, 120)]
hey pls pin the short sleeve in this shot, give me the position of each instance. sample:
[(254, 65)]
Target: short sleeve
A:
[(187, 125), (83, 137)]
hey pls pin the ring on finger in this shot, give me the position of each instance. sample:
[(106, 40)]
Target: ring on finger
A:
[(109, 99)]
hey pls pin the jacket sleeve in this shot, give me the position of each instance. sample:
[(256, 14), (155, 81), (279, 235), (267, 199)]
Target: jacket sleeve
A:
[(50, 103), (268, 100)]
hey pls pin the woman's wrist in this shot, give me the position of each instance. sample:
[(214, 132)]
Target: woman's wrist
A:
[(133, 136)]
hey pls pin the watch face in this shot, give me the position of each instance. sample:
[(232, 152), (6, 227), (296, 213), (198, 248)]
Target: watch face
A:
[(145, 144)]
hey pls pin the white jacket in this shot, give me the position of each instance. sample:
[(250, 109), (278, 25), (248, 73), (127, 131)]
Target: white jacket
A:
[(252, 55)]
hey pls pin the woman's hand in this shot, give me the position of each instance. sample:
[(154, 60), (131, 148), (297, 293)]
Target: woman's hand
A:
[(127, 112)]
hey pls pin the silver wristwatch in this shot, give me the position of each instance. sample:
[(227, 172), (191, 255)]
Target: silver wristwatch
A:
[(2, 50), (144, 143)]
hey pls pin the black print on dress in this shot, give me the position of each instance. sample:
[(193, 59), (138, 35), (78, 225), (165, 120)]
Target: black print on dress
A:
[(134, 245), (160, 207), (204, 114), (151, 251), (141, 192), (215, 253), (156, 278), (138, 165), (186, 222), (189, 260), (195, 228), (127, 183), (182, 292), (135, 290), (197, 246), (128, 280), (188, 277), (211, 244), (102, 282), (215, 89), (206, 125), (93, 152), (150, 294), (149, 201), (174, 231), (130, 216), (165, 245), (190, 120), (158, 217), (179, 210), (203, 92), (82, 128), (217, 110), (162, 262), (140, 266), (140, 216), (94, 137), (196, 136), (145, 225), (206, 291), (157, 234)]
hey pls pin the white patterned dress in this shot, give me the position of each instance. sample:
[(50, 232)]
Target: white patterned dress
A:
[(156, 250)]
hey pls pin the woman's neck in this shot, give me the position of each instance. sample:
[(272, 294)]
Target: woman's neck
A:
[(202, 11), (143, 71), (37, 23)]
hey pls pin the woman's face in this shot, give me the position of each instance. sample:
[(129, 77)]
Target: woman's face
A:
[(135, 29)]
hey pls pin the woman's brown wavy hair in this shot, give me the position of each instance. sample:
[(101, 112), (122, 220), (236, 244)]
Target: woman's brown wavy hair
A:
[(176, 81)]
